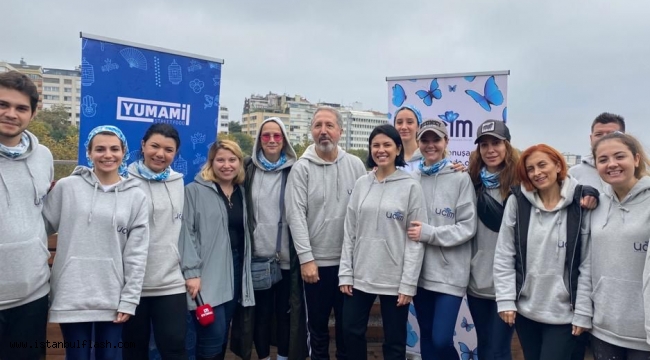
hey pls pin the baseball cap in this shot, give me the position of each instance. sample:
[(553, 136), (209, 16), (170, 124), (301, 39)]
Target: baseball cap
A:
[(496, 128), (437, 126)]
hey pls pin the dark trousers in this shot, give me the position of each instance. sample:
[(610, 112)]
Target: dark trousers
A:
[(320, 299), (267, 303), (582, 342), (493, 335), (356, 312), (26, 324), (437, 314), (107, 336), (605, 351), (544, 341), (168, 317)]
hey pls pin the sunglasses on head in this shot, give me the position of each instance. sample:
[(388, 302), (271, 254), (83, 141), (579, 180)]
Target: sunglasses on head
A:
[(266, 137)]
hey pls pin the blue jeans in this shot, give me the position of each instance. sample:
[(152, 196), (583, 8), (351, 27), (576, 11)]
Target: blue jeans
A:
[(80, 335), (493, 335), (213, 339), (437, 313)]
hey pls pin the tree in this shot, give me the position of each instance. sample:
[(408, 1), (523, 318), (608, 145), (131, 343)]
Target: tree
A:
[(360, 153), (301, 147), (234, 127), (54, 130), (244, 141), (57, 119)]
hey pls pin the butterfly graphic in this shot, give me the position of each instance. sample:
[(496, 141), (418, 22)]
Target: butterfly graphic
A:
[(399, 95), (427, 96), (470, 78), (465, 325), (491, 95), (452, 88), (505, 114), (449, 116), (466, 353)]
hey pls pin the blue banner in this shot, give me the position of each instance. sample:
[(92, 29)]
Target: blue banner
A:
[(133, 86)]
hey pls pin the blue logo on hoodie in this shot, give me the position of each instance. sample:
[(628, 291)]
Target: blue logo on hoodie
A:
[(641, 246), (178, 216), (397, 215), (446, 212), (122, 230)]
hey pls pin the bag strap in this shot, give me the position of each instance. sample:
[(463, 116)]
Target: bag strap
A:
[(283, 185)]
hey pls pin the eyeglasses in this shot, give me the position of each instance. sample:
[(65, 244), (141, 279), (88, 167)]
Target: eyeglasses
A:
[(266, 137)]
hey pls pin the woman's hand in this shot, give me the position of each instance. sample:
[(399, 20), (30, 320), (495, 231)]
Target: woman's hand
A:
[(122, 318), (415, 230), (346, 289), (577, 330), (403, 299), (589, 202), (193, 286), (458, 166), (508, 317)]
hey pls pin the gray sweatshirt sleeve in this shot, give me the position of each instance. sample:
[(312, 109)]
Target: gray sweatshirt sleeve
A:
[(188, 244), (505, 280), (414, 250), (296, 206), (52, 210), (646, 295), (134, 257), (583, 311), (346, 271), (464, 228)]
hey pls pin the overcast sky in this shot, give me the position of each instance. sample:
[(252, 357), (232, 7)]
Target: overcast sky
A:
[(569, 60)]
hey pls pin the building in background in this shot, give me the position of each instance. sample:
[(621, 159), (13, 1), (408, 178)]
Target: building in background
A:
[(35, 72), (357, 126), (223, 120), (63, 87), (572, 159)]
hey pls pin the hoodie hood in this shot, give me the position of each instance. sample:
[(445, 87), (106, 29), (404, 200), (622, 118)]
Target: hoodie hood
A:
[(286, 147), (638, 193), (567, 190), (33, 145), (311, 155), (588, 160), (418, 116), (91, 179), (173, 176)]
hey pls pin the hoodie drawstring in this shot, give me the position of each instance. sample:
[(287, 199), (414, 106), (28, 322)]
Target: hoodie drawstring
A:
[(338, 183), (114, 222), (169, 195), (92, 203), (31, 176), (153, 203), (4, 184)]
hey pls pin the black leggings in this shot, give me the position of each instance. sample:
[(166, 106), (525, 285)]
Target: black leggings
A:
[(606, 351), (168, 315), (541, 341), (267, 302)]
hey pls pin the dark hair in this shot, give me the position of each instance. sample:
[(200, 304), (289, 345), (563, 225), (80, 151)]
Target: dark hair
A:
[(608, 118), (508, 168), (165, 130), (22, 83), (90, 143), (632, 144), (392, 133)]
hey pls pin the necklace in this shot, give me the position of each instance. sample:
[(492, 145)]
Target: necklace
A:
[(229, 202)]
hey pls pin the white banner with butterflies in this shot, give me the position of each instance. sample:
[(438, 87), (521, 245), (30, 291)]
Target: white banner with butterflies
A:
[(463, 102)]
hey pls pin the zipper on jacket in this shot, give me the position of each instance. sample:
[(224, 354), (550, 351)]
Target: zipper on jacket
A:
[(575, 246)]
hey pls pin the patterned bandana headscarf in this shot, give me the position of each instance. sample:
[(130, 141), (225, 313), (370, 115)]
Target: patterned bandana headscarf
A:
[(112, 129)]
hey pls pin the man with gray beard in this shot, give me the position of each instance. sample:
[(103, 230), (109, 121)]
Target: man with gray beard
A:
[(318, 191)]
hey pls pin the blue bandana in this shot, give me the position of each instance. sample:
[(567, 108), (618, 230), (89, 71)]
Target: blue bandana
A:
[(433, 169), (15, 151), (489, 180), (148, 174), (112, 129), (270, 166)]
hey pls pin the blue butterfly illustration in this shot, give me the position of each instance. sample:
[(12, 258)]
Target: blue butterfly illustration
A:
[(411, 336), (470, 78), (399, 95), (427, 96), (452, 88), (449, 116), (389, 115), (505, 114), (465, 325), (466, 353), (491, 95)]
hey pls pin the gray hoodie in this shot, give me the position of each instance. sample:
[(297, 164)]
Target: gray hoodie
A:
[(481, 283), (619, 248), (413, 163), (544, 295), (165, 203), (101, 252), (24, 182), (451, 223), (205, 246), (377, 256), (265, 193), (317, 196), (586, 174)]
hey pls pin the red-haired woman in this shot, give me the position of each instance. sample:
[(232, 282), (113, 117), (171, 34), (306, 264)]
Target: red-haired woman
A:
[(540, 273)]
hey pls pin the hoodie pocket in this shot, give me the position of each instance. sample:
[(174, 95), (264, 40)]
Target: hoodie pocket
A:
[(87, 284), (327, 240), (482, 265), (24, 269), (374, 262), (546, 293), (618, 307), (163, 266)]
